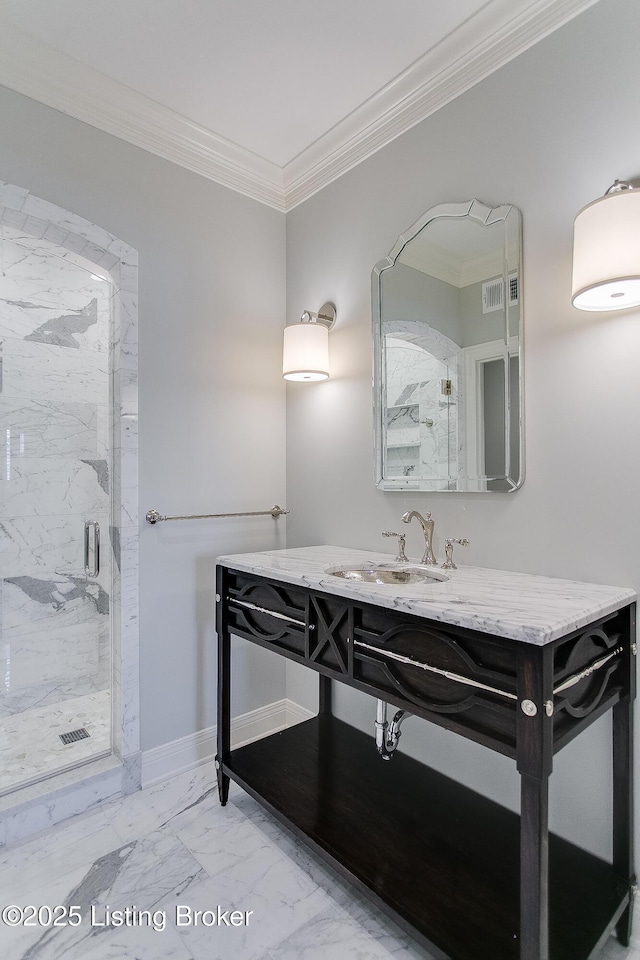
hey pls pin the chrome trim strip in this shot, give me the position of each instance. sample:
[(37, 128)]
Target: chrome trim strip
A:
[(272, 613), (596, 665), (458, 678)]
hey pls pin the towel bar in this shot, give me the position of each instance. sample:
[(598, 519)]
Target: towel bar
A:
[(152, 516)]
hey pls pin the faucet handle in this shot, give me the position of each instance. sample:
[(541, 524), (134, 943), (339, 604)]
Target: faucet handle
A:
[(402, 557), (448, 549)]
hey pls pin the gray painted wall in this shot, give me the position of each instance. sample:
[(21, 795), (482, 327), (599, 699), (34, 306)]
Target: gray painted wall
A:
[(479, 327), (409, 294), (212, 409), (548, 132)]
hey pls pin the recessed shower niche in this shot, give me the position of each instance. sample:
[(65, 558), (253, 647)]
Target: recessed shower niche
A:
[(68, 409)]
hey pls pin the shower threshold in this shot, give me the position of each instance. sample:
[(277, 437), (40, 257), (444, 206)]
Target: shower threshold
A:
[(30, 746)]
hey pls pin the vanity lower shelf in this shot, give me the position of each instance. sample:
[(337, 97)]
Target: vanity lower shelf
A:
[(440, 859)]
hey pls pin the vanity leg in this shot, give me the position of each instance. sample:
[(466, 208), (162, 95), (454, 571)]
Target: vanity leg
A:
[(325, 695), (224, 713), (623, 808), (534, 869), (534, 731), (223, 785)]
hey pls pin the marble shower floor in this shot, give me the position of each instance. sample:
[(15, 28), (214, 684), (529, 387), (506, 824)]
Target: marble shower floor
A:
[(174, 845), (30, 745)]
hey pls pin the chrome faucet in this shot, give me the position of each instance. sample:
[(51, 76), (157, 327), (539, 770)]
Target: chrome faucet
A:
[(427, 523)]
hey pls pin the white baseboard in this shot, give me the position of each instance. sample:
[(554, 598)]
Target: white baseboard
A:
[(296, 713), (187, 753)]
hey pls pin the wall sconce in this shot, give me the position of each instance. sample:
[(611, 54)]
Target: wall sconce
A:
[(306, 345), (606, 251)]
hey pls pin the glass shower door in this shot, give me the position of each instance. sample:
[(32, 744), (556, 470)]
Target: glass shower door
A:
[(55, 646)]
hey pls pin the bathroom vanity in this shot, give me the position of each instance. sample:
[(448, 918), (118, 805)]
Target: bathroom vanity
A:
[(518, 663)]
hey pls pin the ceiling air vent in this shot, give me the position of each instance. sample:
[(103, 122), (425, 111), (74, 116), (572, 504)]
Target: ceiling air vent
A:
[(493, 293)]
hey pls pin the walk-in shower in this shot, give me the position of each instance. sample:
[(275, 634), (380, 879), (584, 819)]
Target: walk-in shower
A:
[(68, 420), (56, 472)]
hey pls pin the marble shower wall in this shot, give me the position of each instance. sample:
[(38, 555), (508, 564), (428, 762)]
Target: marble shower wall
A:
[(90, 396), (55, 473)]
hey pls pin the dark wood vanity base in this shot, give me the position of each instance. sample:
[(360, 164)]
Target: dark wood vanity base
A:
[(465, 876), (440, 859)]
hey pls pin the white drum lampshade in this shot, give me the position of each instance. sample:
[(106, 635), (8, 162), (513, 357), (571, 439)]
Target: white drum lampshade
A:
[(606, 252), (306, 346)]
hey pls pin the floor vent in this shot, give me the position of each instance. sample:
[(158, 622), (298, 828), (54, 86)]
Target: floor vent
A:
[(74, 735)]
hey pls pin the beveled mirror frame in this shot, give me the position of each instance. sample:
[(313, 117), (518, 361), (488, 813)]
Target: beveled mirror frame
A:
[(513, 345)]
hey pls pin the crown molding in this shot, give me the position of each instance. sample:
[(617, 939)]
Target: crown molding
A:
[(500, 31), (434, 261), (38, 71), (453, 269)]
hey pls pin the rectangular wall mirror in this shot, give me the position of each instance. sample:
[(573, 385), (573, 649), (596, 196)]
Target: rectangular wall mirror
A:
[(448, 353)]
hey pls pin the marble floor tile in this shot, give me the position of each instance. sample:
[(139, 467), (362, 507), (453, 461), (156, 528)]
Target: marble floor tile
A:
[(613, 950), (334, 935), (172, 850), (34, 942), (29, 868), (392, 942), (138, 876), (271, 900), (223, 842), (30, 745), (127, 943), (150, 809), (296, 850)]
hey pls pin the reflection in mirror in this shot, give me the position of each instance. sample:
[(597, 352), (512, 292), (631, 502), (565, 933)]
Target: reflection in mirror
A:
[(447, 320)]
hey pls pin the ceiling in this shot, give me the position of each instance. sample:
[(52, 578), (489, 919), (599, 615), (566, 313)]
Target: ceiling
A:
[(274, 99)]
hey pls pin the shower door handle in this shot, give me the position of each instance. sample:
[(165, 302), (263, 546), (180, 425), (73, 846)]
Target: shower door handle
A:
[(92, 571)]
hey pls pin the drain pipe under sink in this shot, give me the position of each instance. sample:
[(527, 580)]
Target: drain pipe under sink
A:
[(388, 734)]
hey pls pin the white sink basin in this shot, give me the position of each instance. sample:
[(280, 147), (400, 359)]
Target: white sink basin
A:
[(387, 574)]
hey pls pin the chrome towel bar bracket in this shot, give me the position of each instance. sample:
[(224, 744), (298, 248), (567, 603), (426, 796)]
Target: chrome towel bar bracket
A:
[(152, 516)]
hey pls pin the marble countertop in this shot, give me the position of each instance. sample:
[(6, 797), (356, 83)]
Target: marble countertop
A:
[(518, 606)]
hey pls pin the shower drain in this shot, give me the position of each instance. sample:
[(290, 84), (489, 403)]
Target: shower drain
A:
[(80, 734)]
